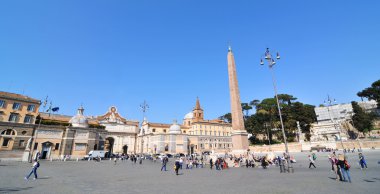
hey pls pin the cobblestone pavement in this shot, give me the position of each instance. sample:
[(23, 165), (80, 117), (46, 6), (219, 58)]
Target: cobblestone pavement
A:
[(124, 177)]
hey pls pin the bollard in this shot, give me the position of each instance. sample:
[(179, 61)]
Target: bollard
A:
[(51, 159), (77, 159)]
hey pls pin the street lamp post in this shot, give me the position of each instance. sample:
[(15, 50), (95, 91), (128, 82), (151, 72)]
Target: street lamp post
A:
[(34, 133), (266, 127), (329, 102), (271, 62), (144, 107)]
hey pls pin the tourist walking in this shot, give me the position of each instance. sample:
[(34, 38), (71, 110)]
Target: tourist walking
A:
[(281, 163), (164, 163), (211, 163), (362, 161), (344, 168), (334, 167), (180, 162), (311, 160), (176, 166), (35, 166)]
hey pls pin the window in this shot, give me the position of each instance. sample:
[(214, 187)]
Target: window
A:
[(35, 146), (31, 107), (28, 119), (80, 146), (16, 106), (13, 117), (164, 130), (5, 142), (23, 132), (2, 103), (57, 146), (184, 131), (153, 130), (21, 143), (8, 132), (219, 133)]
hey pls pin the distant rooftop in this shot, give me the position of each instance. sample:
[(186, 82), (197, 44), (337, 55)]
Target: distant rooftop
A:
[(13, 96)]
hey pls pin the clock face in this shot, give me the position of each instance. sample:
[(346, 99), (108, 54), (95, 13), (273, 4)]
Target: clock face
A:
[(113, 109)]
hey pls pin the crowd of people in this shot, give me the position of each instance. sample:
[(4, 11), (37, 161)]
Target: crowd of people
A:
[(339, 163)]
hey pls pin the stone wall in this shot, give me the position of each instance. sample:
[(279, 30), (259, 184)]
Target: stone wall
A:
[(306, 146)]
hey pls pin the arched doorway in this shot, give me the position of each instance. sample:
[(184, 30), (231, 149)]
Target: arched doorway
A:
[(191, 149), (46, 149), (109, 146), (125, 149), (96, 147)]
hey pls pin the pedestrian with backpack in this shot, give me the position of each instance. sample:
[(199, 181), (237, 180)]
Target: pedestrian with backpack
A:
[(35, 166), (344, 168)]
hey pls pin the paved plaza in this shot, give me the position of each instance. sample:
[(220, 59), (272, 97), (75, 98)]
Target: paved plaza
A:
[(125, 177)]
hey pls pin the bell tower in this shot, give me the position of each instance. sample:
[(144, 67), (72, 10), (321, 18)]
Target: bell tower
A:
[(198, 112)]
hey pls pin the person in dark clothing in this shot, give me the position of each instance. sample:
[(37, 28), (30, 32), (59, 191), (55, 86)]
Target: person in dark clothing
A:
[(164, 162), (176, 166), (344, 168), (211, 163)]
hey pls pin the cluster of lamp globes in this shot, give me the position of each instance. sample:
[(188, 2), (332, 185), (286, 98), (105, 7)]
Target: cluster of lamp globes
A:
[(268, 57)]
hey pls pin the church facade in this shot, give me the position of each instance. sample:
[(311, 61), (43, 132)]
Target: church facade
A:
[(194, 135)]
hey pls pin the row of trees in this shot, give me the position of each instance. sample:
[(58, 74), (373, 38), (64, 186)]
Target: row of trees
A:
[(265, 121)]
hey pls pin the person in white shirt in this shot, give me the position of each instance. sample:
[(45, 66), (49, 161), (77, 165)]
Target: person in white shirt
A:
[(311, 162), (34, 170)]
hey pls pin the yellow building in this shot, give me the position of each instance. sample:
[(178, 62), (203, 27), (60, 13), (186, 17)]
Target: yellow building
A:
[(194, 135), (17, 116)]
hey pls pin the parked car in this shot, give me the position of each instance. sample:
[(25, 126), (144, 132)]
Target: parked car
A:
[(95, 154)]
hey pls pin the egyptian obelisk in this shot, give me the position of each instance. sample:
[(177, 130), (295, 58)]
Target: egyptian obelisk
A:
[(239, 134)]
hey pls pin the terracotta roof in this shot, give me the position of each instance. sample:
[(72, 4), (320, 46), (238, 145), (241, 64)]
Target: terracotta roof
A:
[(62, 118), (20, 97)]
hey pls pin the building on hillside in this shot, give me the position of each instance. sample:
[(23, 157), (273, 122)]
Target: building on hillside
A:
[(195, 135), (334, 122)]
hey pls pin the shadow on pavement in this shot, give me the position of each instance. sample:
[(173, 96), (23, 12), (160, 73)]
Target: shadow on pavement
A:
[(46, 177), (13, 189)]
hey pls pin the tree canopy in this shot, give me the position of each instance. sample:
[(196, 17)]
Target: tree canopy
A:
[(363, 121), (372, 93), (266, 120)]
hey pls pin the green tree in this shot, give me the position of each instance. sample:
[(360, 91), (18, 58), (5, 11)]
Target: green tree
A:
[(372, 93), (246, 107), (254, 103), (363, 121), (226, 117), (292, 111)]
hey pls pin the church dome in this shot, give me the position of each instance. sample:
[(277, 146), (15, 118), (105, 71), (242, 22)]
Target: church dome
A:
[(175, 128), (79, 120), (189, 115)]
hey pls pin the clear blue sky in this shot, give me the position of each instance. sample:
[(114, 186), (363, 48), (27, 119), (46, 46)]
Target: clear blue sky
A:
[(103, 53)]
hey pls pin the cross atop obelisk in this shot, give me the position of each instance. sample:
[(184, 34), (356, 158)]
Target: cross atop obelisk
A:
[(239, 134)]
